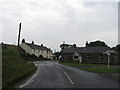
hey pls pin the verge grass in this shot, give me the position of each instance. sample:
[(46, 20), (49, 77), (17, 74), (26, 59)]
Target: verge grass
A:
[(78, 64), (38, 60), (14, 68), (98, 68), (102, 70)]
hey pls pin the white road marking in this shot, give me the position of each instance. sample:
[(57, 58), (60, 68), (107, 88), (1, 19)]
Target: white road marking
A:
[(68, 78), (58, 67)]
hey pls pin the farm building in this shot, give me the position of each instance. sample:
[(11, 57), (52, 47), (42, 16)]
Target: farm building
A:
[(89, 54)]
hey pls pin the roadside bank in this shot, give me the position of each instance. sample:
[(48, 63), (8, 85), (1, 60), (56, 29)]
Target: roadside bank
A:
[(14, 68)]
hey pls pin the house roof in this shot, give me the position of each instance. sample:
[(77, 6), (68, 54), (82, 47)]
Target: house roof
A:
[(33, 46), (72, 49), (86, 49)]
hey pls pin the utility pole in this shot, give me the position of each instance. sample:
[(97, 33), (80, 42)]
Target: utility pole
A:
[(19, 34)]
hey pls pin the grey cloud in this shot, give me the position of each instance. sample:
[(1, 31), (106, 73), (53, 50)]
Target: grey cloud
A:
[(53, 21)]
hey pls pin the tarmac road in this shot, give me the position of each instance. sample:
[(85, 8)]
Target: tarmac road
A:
[(50, 74)]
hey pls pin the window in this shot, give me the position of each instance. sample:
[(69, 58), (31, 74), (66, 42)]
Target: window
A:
[(47, 52), (88, 57), (101, 57)]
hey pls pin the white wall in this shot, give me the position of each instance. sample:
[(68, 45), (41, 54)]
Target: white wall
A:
[(37, 52), (26, 47)]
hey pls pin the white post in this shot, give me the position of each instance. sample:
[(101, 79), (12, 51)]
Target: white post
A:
[(108, 53), (108, 61)]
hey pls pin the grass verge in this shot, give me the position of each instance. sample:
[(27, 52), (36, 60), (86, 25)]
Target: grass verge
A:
[(78, 64), (14, 68), (102, 70), (98, 68), (38, 60)]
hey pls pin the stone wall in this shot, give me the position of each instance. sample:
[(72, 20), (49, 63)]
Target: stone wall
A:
[(92, 58)]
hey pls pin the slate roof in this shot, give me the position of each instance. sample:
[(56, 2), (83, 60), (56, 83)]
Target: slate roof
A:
[(37, 47), (86, 49)]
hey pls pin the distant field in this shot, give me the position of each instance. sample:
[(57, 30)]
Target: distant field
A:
[(99, 68), (14, 67)]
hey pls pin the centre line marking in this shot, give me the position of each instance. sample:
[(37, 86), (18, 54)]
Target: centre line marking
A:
[(68, 78), (58, 67)]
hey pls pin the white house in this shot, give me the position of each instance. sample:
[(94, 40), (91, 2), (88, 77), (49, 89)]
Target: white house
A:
[(37, 50)]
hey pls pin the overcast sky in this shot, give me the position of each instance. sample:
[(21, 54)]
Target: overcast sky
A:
[(50, 22)]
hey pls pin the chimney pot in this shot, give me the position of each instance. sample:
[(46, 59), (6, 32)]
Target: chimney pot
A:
[(42, 45), (32, 42), (74, 45), (23, 40), (86, 43)]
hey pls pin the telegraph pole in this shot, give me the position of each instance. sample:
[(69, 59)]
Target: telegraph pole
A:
[(19, 34)]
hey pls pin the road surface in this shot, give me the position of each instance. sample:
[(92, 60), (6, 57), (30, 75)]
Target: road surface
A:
[(50, 74)]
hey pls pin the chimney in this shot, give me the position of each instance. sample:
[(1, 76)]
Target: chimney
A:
[(32, 42), (74, 45), (23, 40), (42, 45), (86, 44)]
